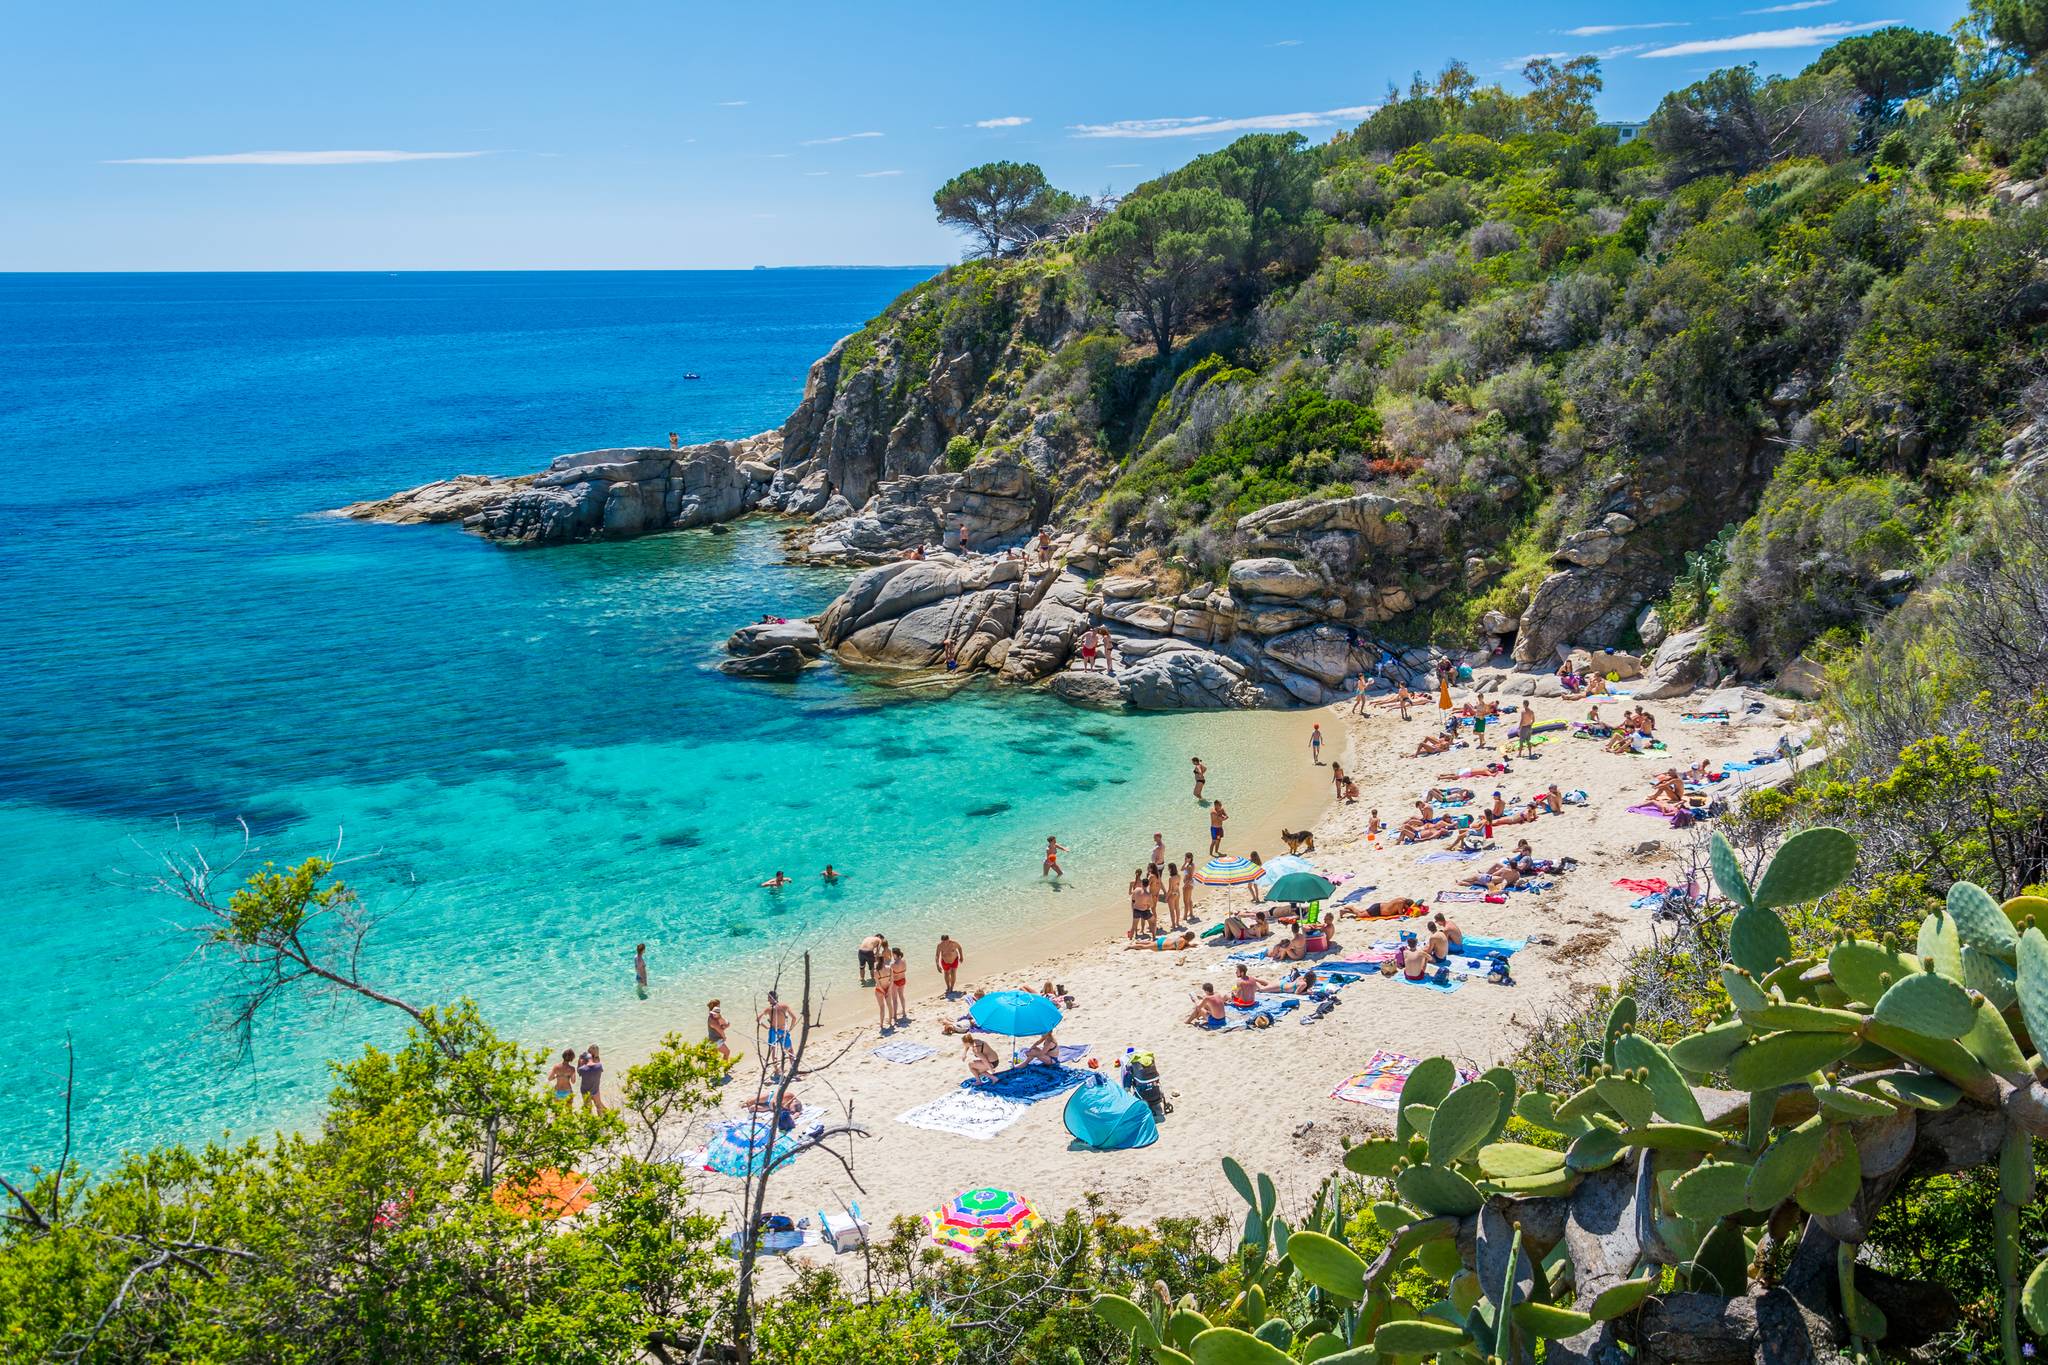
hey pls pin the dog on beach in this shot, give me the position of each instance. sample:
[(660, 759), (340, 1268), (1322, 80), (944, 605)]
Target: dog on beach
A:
[(1299, 841)]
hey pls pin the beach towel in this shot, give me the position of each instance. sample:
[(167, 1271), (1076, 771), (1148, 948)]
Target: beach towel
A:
[(903, 1052), (1739, 765), (1704, 717), (1446, 855), (1358, 895), (1431, 983), (1268, 1007), (976, 1114), (1654, 813), (1534, 884), (1379, 1085), (1479, 945), (1366, 963), (1073, 1052), (1029, 1084), (1643, 885), (1462, 897)]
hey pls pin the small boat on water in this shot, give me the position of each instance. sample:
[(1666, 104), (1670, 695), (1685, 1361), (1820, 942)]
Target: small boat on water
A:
[(692, 374)]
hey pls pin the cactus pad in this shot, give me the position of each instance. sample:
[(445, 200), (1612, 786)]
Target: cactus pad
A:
[(1674, 1098), (1929, 1004), (1808, 865), (1708, 1050), (1782, 1058), (1980, 922), (1727, 870), (1328, 1264), (1466, 1118), (1438, 1191), (1860, 968), (2032, 984), (1509, 1160), (1711, 1191), (1758, 940), (1784, 1164)]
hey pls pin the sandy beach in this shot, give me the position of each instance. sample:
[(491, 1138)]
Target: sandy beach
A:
[(1262, 1096)]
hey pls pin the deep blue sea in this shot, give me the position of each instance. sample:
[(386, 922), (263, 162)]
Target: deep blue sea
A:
[(528, 750)]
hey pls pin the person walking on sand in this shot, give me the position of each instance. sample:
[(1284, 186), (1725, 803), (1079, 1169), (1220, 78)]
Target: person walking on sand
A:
[(1217, 815), (590, 1074), (777, 1019), (562, 1078), (640, 969), (716, 1029), (1201, 777), (948, 959), (1053, 849), (1315, 743)]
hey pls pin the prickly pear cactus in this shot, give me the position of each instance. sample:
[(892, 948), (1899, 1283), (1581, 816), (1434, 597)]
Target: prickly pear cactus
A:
[(1787, 1123)]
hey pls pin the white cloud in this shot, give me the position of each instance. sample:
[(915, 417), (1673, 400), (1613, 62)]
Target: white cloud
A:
[(1286, 42), (843, 137), (1601, 30), (876, 175), (290, 158), (1517, 63), (732, 104), (1619, 50), (1203, 124), (1124, 165), (1808, 35), (1792, 8), (1007, 121)]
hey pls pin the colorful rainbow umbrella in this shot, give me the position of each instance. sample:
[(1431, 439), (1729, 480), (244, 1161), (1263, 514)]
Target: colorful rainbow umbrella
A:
[(1231, 871), (551, 1194), (984, 1217)]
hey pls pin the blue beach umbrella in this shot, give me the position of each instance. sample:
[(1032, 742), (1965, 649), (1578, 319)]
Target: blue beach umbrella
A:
[(1016, 1013)]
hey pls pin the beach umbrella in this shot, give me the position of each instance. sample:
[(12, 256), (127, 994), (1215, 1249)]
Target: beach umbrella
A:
[(1276, 868), (551, 1194), (1231, 871), (1016, 1013), (746, 1148), (984, 1217), (1298, 887)]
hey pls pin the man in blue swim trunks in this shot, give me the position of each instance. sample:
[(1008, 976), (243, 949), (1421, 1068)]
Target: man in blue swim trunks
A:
[(776, 1019), (1208, 1010)]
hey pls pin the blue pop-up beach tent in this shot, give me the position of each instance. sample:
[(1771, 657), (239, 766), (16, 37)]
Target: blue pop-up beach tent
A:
[(1109, 1118)]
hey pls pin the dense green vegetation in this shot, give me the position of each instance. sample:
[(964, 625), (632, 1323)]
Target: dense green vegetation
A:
[(1796, 300)]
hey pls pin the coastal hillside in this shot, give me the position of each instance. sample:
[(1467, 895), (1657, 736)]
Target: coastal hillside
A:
[(1746, 367)]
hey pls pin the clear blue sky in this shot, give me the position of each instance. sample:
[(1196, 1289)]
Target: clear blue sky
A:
[(636, 134)]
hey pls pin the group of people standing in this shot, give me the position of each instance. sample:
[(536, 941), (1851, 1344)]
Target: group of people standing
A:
[(1162, 885)]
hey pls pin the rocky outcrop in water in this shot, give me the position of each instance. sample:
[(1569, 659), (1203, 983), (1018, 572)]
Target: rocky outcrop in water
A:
[(1001, 501), (597, 494)]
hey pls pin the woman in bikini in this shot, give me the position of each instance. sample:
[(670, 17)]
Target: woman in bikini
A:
[(1187, 886), (1053, 849), (981, 1058), (562, 1076), (885, 992), (899, 981), (1170, 897)]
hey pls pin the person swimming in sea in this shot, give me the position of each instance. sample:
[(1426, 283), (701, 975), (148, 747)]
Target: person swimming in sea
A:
[(830, 874), (778, 881)]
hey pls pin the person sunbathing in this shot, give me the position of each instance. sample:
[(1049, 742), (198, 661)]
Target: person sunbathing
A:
[(1394, 907), (1293, 948), (1044, 1052), (1208, 1010), (1668, 795), (1521, 815), (1702, 771), (1422, 831), (1450, 795), (1499, 877), (1163, 943), (1431, 744), (786, 1114), (982, 1060), (965, 1023), (1299, 983), (1239, 930)]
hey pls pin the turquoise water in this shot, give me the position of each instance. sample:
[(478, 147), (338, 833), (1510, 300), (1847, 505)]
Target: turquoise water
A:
[(529, 751)]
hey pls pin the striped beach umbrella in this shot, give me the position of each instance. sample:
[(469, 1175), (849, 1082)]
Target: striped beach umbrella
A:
[(983, 1217), (1230, 871)]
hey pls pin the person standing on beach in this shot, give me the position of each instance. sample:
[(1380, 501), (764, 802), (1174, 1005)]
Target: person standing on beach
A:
[(1525, 732), (715, 1030), (1315, 743), (1217, 815), (1479, 727), (777, 1019), (562, 1077), (948, 958), (1158, 851), (1358, 698), (590, 1072), (1053, 849), (1337, 779), (1187, 886), (870, 953), (1201, 777), (1173, 905), (1141, 907), (640, 969), (899, 983)]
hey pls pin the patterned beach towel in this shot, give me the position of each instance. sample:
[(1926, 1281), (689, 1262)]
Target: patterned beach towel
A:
[(1431, 983), (1445, 855), (975, 1114), (903, 1051), (1268, 1007), (1462, 897), (1029, 1084), (1379, 1085)]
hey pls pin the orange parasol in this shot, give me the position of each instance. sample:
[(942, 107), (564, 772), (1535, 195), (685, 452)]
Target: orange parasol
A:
[(551, 1194)]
